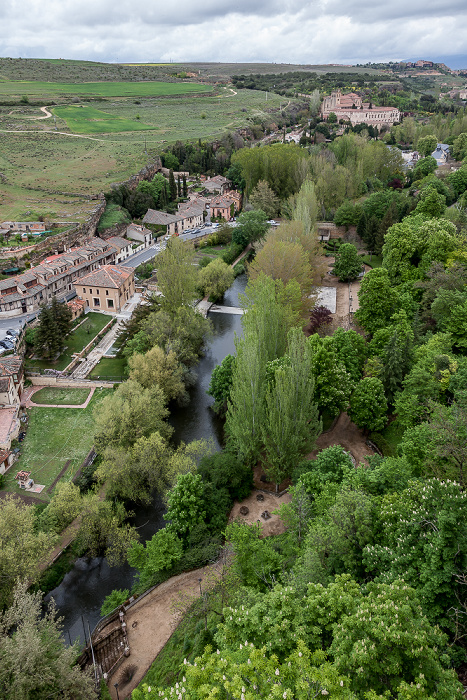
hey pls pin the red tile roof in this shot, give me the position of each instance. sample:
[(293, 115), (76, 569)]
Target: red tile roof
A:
[(111, 276)]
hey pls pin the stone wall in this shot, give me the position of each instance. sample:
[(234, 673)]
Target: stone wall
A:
[(58, 243), (41, 380), (146, 173)]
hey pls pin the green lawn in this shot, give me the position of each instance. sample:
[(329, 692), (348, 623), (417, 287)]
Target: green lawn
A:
[(54, 437), (101, 89), (375, 261), (87, 120), (75, 342), (114, 367), (53, 396)]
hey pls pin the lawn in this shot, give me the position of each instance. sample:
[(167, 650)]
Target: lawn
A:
[(373, 260), (101, 89), (75, 342), (110, 367), (87, 120), (60, 397), (55, 437)]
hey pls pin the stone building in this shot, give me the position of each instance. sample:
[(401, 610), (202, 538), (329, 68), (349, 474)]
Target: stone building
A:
[(350, 107), (107, 288)]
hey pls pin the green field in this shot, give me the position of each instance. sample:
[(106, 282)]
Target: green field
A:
[(35, 89), (110, 367), (75, 342), (54, 437), (87, 120), (60, 397), (38, 160)]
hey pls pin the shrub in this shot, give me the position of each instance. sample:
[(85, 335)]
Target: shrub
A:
[(113, 600), (225, 470)]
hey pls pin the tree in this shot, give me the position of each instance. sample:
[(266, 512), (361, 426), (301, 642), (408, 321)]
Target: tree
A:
[(160, 553), (383, 650), (368, 405), (291, 424), (423, 541), (348, 264), (333, 384), (459, 147), (347, 215), (224, 470), (251, 226), (185, 190), (34, 661), (251, 673), (112, 601), (130, 413), (424, 167), (427, 144), (104, 531), (185, 504), (298, 232), (330, 465), (221, 383), (283, 260), (264, 198), (302, 207), (332, 118), (431, 203), (215, 279), (176, 275), (22, 548), (54, 325), (172, 185), (159, 368), (377, 300)]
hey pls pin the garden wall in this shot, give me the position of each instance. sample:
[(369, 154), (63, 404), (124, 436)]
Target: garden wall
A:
[(41, 380)]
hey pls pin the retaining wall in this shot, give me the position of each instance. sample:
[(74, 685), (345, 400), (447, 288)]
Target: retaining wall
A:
[(41, 380)]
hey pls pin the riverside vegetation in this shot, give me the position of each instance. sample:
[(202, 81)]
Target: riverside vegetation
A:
[(364, 595)]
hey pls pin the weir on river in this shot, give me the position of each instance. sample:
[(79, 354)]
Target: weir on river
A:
[(80, 595)]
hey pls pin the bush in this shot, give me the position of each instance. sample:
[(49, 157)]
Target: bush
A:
[(225, 470), (232, 253), (113, 600)]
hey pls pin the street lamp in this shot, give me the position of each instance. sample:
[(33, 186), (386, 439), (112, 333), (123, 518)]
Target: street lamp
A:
[(116, 689)]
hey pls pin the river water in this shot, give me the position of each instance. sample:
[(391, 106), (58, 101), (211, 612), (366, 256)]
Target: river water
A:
[(80, 595)]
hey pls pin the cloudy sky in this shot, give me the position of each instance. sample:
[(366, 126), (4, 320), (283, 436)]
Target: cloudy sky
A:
[(290, 31)]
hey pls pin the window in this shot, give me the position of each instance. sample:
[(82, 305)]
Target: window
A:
[(90, 291), (110, 303), (106, 292), (84, 290), (97, 302), (97, 291)]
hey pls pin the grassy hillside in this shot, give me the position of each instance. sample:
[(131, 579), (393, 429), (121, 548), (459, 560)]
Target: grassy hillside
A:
[(36, 152)]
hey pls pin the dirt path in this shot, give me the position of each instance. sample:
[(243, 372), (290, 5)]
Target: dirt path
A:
[(347, 297), (151, 622), (347, 434)]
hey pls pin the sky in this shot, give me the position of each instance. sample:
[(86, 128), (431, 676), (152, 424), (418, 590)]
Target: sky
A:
[(289, 31)]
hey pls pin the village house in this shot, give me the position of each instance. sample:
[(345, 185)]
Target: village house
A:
[(6, 460), (55, 276), (123, 247), (28, 226), (225, 206), (193, 211), (217, 185), (135, 232), (350, 107), (11, 380), (171, 224), (441, 154), (107, 289)]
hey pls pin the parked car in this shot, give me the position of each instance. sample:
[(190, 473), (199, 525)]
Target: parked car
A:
[(10, 331), (7, 344)]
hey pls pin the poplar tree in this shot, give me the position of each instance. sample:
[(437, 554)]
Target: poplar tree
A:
[(172, 185), (291, 423)]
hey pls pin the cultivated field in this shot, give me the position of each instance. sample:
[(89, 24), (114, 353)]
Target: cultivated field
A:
[(87, 120), (37, 89)]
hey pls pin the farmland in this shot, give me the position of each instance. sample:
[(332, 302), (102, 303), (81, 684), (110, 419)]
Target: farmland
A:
[(38, 89), (87, 120)]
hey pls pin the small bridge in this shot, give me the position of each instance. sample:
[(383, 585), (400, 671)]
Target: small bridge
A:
[(205, 307)]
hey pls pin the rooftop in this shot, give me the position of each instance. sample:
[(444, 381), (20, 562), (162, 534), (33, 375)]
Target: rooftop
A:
[(111, 276)]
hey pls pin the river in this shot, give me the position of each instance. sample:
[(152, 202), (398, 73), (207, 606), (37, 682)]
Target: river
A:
[(80, 595)]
